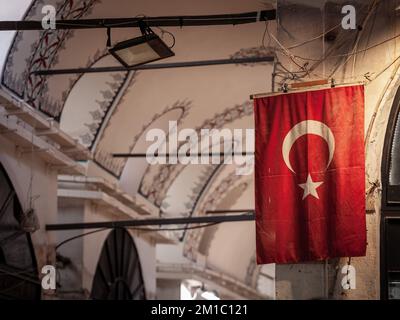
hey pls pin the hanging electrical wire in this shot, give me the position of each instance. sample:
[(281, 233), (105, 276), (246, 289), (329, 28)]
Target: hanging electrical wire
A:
[(136, 229), (77, 237), (175, 229), (163, 31), (358, 38), (385, 69), (345, 54), (305, 70), (139, 17), (266, 31), (322, 35), (29, 200)]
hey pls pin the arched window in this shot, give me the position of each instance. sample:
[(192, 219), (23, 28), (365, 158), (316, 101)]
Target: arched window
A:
[(18, 269), (119, 274), (390, 221)]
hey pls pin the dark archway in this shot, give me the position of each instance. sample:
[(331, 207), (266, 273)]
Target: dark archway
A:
[(390, 218), (18, 268), (118, 275)]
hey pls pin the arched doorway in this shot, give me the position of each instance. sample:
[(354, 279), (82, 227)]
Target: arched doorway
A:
[(390, 219), (118, 275), (18, 268)]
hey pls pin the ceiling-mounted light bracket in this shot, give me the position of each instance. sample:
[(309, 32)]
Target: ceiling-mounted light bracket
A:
[(144, 28)]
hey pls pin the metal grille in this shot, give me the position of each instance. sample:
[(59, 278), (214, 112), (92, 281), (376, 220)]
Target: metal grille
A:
[(18, 269), (394, 170), (118, 275)]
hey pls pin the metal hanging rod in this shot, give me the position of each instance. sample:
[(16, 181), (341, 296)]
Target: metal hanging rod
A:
[(151, 222), (168, 155), (170, 21), (306, 86), (155, 66), (230, 211)]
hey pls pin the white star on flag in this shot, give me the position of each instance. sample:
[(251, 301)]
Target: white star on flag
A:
[(310, 187)]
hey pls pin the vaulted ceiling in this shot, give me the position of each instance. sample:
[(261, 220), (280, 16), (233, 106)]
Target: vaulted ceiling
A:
[(111, 112)]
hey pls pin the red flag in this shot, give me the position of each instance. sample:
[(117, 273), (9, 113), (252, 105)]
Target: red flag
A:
[(310, 175)]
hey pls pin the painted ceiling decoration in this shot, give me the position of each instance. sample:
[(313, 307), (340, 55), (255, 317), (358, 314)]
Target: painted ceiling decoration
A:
[(189, 184), (219, 190), (155, 189), (199, 242), (205, 245), (112, 112), (97, 96), (116, 165), (183, 195), (44, 47)]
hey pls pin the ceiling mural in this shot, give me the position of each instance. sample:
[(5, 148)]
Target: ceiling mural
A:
[(112, 112), (226, 182), (154, 186), (20, 64), (185, 192), (187, 186), (113, 107), (116, 165), (96, 95)]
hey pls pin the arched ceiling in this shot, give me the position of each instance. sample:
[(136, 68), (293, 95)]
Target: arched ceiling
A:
[(111, 112)]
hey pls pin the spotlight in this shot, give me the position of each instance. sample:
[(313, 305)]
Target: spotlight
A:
[(146, 48)]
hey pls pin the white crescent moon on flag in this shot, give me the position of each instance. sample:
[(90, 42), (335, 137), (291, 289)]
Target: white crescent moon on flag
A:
[(308, 127)]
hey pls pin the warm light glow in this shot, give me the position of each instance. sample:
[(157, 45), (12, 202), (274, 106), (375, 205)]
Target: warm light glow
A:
[(185, 293), (138, 54), (144, 49)]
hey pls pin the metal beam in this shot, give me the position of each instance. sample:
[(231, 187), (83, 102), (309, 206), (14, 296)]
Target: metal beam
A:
[(151, 222), (170, 21), (155, 66), (168, 155), (229, 211)]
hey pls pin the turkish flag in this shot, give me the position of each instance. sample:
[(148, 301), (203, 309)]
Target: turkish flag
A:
[(310, 175)]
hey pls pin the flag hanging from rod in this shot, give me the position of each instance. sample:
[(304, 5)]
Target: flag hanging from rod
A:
[(310, 175)]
